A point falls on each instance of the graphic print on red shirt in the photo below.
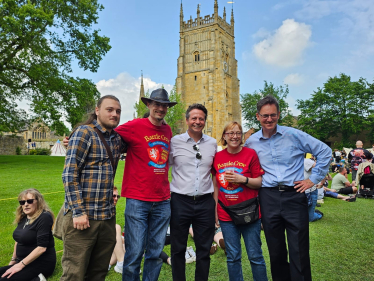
(245, 163)
(146, 168)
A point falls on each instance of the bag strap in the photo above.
(100, 134)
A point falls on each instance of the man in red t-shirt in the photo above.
(146, 187)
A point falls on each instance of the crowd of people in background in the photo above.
(214, 196)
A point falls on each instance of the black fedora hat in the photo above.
(159, 95)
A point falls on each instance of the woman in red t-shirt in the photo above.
(237, 178)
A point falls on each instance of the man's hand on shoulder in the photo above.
(303, 185)
(81, 223)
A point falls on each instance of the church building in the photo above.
(207, 68)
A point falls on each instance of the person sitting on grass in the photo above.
(364, 168)
(119, 249)
(341, 184)
(34, 255)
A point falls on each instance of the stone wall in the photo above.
(9, 144)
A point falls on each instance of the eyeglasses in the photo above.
(29, 201)
(157, 104)
(198, 154)
(116, 196)
(266, 116)
(231, 134)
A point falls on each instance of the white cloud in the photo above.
(285, 47)
(293, 79)
(355, 20)
(127, 88)
(261, 33)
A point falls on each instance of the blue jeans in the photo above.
(313, 216)
(252, 240)
(146, 225)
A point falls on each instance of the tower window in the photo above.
(197, 56)
(195, 77)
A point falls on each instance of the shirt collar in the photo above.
(280, 130)
(187, 137)
(104, 131)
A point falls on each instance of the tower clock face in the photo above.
(225, 67)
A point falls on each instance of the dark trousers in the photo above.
(286, 211)
(87, 252)
(201, 214)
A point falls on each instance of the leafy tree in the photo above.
(174, 117)
(249, 105)
(341, 107)
(140, 107)
(175, 114)
(39, 39)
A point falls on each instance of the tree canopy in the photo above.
(174, 115)
(249, 105)
(39, 40)
(342, 107)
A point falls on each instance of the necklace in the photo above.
(26, 223)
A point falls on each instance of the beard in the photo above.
(107, 125)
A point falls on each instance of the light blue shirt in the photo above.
(282, 156)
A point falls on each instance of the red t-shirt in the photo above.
(246, 163)
(146, 168)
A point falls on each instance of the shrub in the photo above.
(18, 150)
(40, 151)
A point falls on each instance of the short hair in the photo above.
(229, 126)
(196, 106)
(369, 157)
(267, 100)
(341, 169)
(115, 188)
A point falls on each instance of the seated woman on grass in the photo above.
(34, 255)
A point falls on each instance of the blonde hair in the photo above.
(41, 205)
(229, 126)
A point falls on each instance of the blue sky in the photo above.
(298, 42)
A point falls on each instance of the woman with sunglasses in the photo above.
(237, 178)
(34, 255)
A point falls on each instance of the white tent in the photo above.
(58, 149)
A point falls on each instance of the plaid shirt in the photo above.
(88, 173)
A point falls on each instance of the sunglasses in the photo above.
(29, 201)
(198, 153)
(116, 196)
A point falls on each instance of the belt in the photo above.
(283, 188)
(196, 197)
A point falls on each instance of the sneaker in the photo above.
(191, 252)
(188, 257)
(318, 212)
(320, 201)
(109, 267)
(118, 269)
(41, 277)
(213, 249)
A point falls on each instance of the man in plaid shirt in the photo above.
(89, 210)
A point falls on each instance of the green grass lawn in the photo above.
(341, 244)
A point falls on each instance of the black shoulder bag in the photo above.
(243, 213)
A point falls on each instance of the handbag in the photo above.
(243, 213)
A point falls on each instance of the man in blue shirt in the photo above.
(283, 203)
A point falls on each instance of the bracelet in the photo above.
(13, 259)
(246, 182)
(23, 263)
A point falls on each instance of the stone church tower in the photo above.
(207, 68)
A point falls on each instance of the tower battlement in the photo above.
(208, 20)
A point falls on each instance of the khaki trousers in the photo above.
(87, 252)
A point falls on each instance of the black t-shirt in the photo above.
(30, 236)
